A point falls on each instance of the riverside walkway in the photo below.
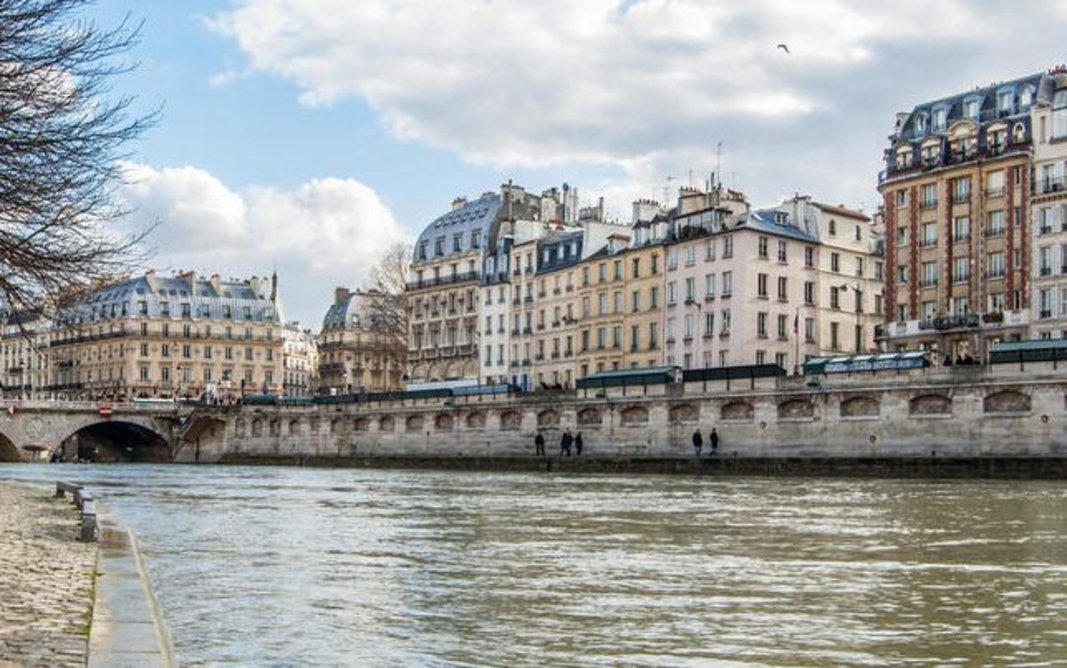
(46, 580)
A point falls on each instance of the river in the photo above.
(296, 566)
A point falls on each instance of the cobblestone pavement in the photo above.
(45, 580)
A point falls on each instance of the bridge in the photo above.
(38, 430)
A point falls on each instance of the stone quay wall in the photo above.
(937, 412)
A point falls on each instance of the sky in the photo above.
(307, 136)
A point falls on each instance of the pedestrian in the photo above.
(698, 442)
(578, 444)
(565, 443)
(539, 445)
(714, 438)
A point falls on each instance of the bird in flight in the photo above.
(783, 47)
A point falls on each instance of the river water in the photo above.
(292, 566)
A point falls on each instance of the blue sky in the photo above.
(310, 134)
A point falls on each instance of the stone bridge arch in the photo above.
(38, 430)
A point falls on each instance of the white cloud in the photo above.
(517, 84)
(326, 232)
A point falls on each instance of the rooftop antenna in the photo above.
(718, 165)
(666, 191)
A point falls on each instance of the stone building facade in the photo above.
(25, 369)
(1048, 208)
(177, 336)
(356, 352)
(956, 191)
(300, 361)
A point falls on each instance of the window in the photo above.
(709, 285)
(809, 330)
(672, 259)
(929, 310)
(709, 323)
(690, 255)
(835, 298)
(834, 336)
(1044, 262)
(961, 189)
(783, 292)
(809, 293)
(783, 326)
(709, 250)
(689, 325)
(939, 118)
(727, 283)
(653, 297)
(671, 297)
(833, 227)
(618, 270)
(782, 255)
(727, 247)
(617, 299)
(761, 285)
(995, 227)
(1004, 102)
(835, 262)
(961, 228)
(970, 108)
(994, 184)
(960, 306)
(961, 269)
(1059, 114)
(995, 264)
(690, 289)
(902, 274)
(809, 257)
(762, 243)
(929, 274)
(902, 197)
(928, 196)
(636, 301)
(724, 320)
(637, 267)
(761, 325)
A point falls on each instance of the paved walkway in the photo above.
(45, 580)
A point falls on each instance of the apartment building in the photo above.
(25, 368)
(357, 352)
(300, 361)
(956, 190)
(1048, 208)
(155, 336)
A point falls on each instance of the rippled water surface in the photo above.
(289, 566)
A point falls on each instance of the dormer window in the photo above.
(1059, 114)
(940, 116)
(1004, 102)
(1026, 98)
(970, 108)
(904, 158)
(920, 124)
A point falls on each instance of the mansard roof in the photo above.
(477, 214)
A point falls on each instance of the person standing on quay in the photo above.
(578, 444)
(565, 443)
(714, 438)
(698, 442)
(539, 445)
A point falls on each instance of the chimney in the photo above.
(274, 287)
(216, 283)
(190, 279)
(458, 203)
(340, 295)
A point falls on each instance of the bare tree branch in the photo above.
(387, 305)
(62, 135)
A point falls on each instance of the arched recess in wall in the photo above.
(257, 427)
(443, 422)
(510, 420)
(294, 427)
(548, 418)
(275, 427)
(738, 411)
(633, 415)
(1006, 401)
(8, 451)
(860, 406)
(590, 417)
(387, 423)
(476, 420)
(684, 413)
(414, 423)
(796, 409)
(930, 404)
(337, 425)
(362, 424)
(240, 427)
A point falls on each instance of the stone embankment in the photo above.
(46, 580)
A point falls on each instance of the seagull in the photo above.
(783, 47)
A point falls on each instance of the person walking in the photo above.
(698, 442)
(578, 444)
(539, 445)
(565, 444)
(714, 438)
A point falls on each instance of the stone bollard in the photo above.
(88, 528)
